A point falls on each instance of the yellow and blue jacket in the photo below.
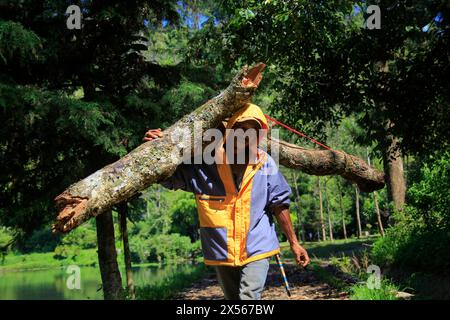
(236, 224)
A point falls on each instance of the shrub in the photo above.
(421, 237)
(83, 237)
(163, 248)
(41, 240)
(66, 252)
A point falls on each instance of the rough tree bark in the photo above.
(156, 160)
(152, 161)
(328, 162)
(107, 257)
(394, 173)
(392, 158)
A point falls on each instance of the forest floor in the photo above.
(304, 285)
(319, 281)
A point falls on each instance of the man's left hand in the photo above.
(300, 254)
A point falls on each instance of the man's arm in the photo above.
(177, 180)
(284, 219)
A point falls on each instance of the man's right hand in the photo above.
(153, 134)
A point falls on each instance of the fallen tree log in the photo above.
(152, 161)
(328, 162)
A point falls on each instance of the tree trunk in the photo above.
(344, 228)
(322, 223)
(152, 161)
(358, 218)
(330, 226)
(107, 257)
(377, 210)
(123, 213)
(301, 226)
(392, 160)
(393, 168)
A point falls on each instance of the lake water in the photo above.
(51, 284)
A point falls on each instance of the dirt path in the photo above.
(304, 286)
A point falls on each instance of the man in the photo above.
(236, 203)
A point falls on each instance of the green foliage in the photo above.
(83, 237)
(429, 198)
(387, 291)
(66, 252)
(186, 97)
(163, 248)
(41, 240)
(328, 277)
(421, 236)
(17, 44)
(16, 261)
(184, 218)
(327, 63)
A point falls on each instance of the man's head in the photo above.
(248, 125)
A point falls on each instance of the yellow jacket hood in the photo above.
(249, 112)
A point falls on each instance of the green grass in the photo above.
(329, 278)
(45, 260)
(387, 291)
(14, 261)
(325, 250)
(171, 286)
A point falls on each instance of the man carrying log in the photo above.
(237, 198)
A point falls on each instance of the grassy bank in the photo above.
(14, 261)
(46, 260)
(325, 250)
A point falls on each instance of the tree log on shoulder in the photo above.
(152, 161)
(328, 162)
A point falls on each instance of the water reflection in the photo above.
(50, 284)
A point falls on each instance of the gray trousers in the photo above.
(245, 282)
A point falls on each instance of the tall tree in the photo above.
(72, 101)
(300, 222)
(358, 214)
(341, 206)
(107, 257)
(377, 208)
(331, 62)
(329, 217)
(123, 214)
(321, 218)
